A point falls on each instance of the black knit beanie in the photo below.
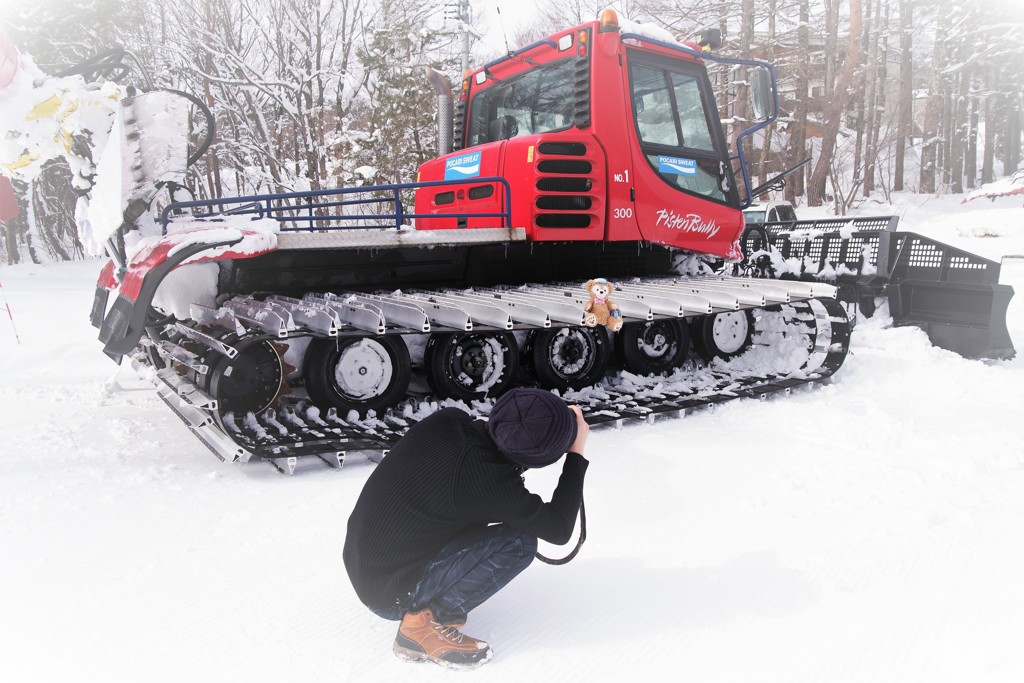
(532, 427)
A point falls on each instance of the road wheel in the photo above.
(569, 357)
(654, 347)
(723, 335)
(357, 373)
(471, 365)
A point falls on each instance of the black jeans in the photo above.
(468, 571)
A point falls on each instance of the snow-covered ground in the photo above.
(868, 530)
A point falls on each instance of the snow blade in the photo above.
(954, 295)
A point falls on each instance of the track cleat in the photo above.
(422, 638)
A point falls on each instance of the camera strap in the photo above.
(579, 543)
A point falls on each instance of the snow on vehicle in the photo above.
(316, 323)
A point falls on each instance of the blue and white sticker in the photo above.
(677, 165)
(462, 167)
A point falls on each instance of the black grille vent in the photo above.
(481, 191)
(581, 99)
(568, 149)
(564, 203)
(565, 196)
(565, 166)
(563, 220)
(459, 124)
(564, 184)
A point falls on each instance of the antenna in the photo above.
(502, 25)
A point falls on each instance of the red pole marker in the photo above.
(8, 307)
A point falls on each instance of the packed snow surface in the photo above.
(867, 530)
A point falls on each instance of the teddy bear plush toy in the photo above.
(600, 310)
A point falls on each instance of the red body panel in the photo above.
(473, 197)
(525, 166)
(106, 280)
(143, 262)
(624, 197)
(610, 107)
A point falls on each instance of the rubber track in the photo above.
(295, 431)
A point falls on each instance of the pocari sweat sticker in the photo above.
(462, 167)
(677, 165)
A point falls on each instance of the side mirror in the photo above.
(710, 38)
(762, 98)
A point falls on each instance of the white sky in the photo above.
(514, 13)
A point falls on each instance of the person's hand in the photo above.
(582, 431)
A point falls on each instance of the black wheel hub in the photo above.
(572, 355)
(656, 340)
(570, 351)
(471, 360)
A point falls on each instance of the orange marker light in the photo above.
(608, 21)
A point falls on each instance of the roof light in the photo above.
(608, 21)
(565, 42)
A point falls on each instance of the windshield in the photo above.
(754, 216)
(538, 101)
(673, 112)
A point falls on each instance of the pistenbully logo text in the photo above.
(690, 222)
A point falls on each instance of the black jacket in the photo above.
(443, 478)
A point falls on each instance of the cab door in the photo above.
(684, 194)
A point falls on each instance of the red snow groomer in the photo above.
(315, 323)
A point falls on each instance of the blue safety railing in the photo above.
(325, 209)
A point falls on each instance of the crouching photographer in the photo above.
(445, 520)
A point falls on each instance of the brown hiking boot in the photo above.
(421, 637)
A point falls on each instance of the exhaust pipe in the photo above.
(445, 108)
